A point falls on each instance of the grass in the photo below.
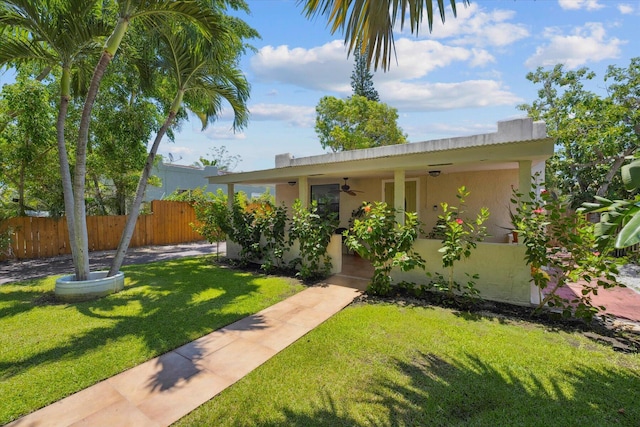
(391, 365)
(49, 351)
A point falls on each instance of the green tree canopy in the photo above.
(594, 133)
(28, 161)
(356, 123)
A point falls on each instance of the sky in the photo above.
(460, 79)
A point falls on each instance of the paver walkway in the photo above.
(164, 389)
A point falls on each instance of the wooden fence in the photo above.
(167, 224)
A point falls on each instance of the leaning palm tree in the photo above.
(369, 24)
(204, 73)
(153, 14)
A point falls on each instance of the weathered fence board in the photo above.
(45, 237)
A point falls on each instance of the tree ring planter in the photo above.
(98, 285)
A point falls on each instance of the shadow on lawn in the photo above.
(164, 304)
(434, 392)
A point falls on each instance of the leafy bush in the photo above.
(562, 247)
(273, 223)
(313, 232)
(459, 237)
(379, 238)
(246, 227)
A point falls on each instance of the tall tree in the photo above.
(356, 123)
(372, 22)
(27, 140)
(60, 35)
(204, 73)
(361, 77)
(58, 32)
(594, 133)
(124, 119)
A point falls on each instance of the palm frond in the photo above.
(371, 22)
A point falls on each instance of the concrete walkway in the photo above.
(164, 389)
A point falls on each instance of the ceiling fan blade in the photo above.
(350, 192)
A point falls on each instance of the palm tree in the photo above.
(151, 13)
(204, 74)
(55, 35)
(371, 22)
(61, 27)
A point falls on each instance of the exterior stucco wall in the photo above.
(503, 275)
(491, 189)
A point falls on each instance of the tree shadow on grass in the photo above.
(164, 305)
(431, 391)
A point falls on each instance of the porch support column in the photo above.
(303, 191)
(230, 195)
(524, 178)
(398, 195)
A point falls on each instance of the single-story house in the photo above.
(418, 177)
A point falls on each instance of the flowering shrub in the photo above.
(313, 232)
(561, 247)
(377, 237)
(459, 237)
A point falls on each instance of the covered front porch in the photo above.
(419, 177)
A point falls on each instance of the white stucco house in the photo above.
(418, 177)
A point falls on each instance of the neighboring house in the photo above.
(180, 177)
(419, 176)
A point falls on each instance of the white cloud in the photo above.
(222, 133)
(446, 96)
(327, 69)
(473, 26)
(586, 44)
(625, 9)
(580, 4)
(324, 68)
(294, 115)
(416, 58)
(481, 57)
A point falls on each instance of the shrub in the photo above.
(459, 237)
(379, 238)
(561, 247)
(313, 232)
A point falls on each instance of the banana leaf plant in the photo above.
(619, 216)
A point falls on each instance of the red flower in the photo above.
(459, 221)
(367, 209)
(543, 191)
(538, 211)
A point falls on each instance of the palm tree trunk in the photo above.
(132, 218)
(65, 173)
(81, 241)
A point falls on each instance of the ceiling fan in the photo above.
(346, 188)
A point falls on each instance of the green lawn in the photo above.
(389, 365)
(50, 351)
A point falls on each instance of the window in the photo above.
(328, 198)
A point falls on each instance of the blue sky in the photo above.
(458, 80)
